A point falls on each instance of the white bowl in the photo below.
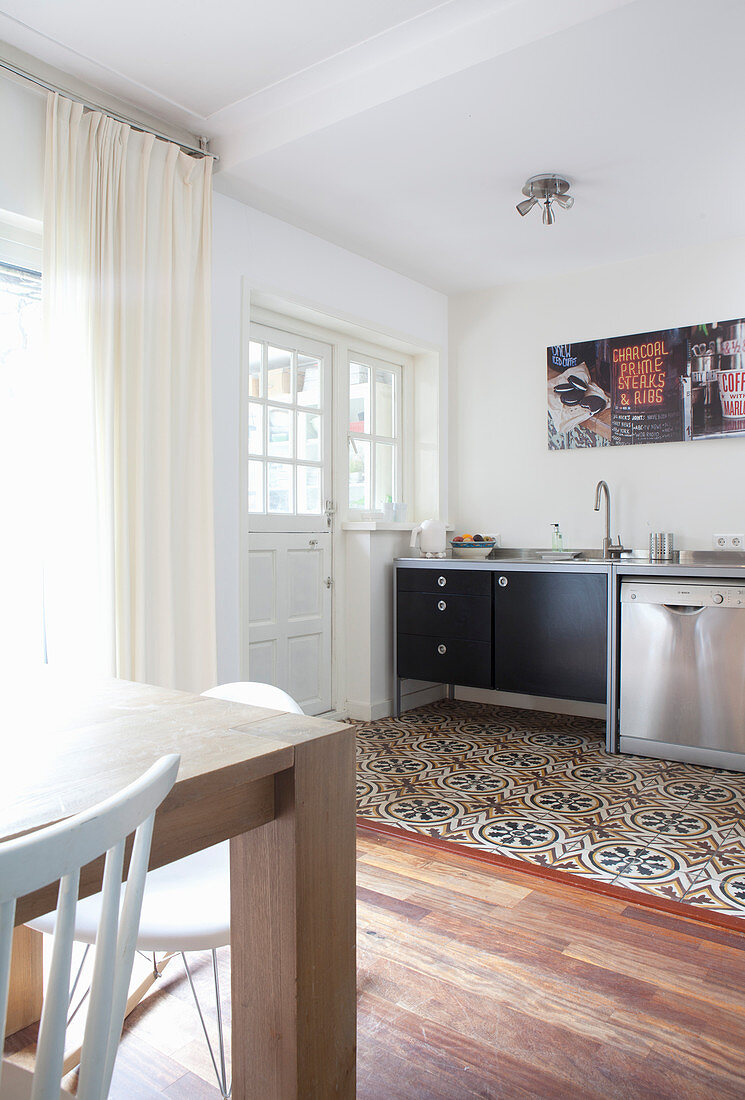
(474, 550)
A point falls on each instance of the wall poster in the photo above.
(654, 387)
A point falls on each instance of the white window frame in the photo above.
(20, 241)
(286, 340)
(379, 358)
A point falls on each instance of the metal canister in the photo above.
(661, 545)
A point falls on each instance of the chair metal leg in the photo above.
(75, 984)
(72, 1059)
(221, 1073)
(220, 1032)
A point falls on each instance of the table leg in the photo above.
(25, 990)
(293, 934)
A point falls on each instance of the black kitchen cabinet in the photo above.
(444, 626)
(550, 634)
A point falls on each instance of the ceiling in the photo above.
(404, 129)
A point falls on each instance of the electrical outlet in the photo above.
(728, 542)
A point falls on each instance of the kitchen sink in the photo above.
(523, 553)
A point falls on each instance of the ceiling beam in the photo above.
(435, 45)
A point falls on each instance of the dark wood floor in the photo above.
(476, 981)
(482, 982)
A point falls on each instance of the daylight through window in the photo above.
(374, 433)
(21, 469)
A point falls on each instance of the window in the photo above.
(374, 433)
(21, 468)
(286, 425)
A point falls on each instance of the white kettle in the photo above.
(433, 536)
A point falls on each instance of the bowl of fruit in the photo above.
(472, 546)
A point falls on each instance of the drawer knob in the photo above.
(442, 648)
(442, 581)
(441, 605)
(502, 582)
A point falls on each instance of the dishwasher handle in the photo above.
(681, 594)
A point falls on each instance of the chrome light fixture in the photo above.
(545, 190)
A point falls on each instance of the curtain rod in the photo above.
(192, 150)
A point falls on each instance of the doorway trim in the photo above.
(270, 307)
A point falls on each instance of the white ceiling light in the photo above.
(545, 190)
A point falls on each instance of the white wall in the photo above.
(276, 258)
(502, 476)
(22, 141)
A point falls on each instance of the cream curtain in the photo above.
(129, 555)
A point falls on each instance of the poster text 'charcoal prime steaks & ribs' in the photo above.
(674, 385)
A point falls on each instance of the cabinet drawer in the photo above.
(464, 582)
(445, 660)
(445, 615)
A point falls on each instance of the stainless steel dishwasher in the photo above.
(683, 671)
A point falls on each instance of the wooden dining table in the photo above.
(279, 786)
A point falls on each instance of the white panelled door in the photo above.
(289, 605)
(287, 633)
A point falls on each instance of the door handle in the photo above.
(442, 581)
(442, 649)
(441, 605)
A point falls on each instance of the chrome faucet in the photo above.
(610, 549)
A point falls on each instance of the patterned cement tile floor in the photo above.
(541, 788)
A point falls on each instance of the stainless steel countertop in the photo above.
(704, 563)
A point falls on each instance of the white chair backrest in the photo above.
(58, 852)
(258, 695)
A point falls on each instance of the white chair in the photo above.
(186, 906)
(58, 852)
(255, 694)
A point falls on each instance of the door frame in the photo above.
(281, 323)
(267, 306)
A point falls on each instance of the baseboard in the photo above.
(383, 708)
(358, 712)
(531, 702)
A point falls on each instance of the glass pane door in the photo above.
(288, 431)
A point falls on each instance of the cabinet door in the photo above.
(550, 634)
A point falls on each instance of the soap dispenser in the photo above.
(557, 542)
